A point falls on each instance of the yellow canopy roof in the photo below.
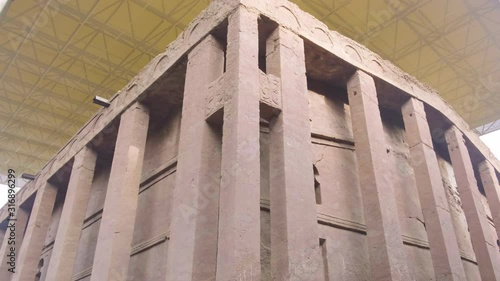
(56, 55)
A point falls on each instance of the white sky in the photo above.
(492, 140)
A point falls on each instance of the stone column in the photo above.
(67, 239)
(4, 251)
(387, 256)
(192, 249)
(118, 219)
(36, 232)
(238, 254)
(492, 189)
(294, 237)
(438, 223)
(12, 240)
(483, 243)
(2, 234)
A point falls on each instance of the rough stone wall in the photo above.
(335, 202)
(459, 220)
(410, 211)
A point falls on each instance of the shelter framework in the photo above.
(262, 146)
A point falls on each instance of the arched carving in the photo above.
(376, 65)
(55, 163)
(191, 32)
(353, 53)
(68, 148)
(324, 34)
(120, 99)
(290, 16)
(50, 164)
(161, 65)
(133, 89)
(93, 123)
(98, 122)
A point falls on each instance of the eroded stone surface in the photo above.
(355, 231)
(440, 232)
(377, 185)
(482, 238)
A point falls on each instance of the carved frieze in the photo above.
(270, 90)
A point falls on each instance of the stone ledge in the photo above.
(143, 246)
(360, 228)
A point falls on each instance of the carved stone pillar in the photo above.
(67, 240)
(492, 189)
(238, 254)
(12, 240)
(36, 232)
(294, 236)
(440, 232)
(118, 219)
(193, 244)
(483, 242)
(387, 256)
(2, 235)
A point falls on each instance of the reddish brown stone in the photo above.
(440, 232)
(113, 249)
(193, 243)
(36, 230)
(238, 255)
(65, 249)
(295, 248)
(387, 256)
(21, 221)
(482, 239)
(227, 236)
(492, 189)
